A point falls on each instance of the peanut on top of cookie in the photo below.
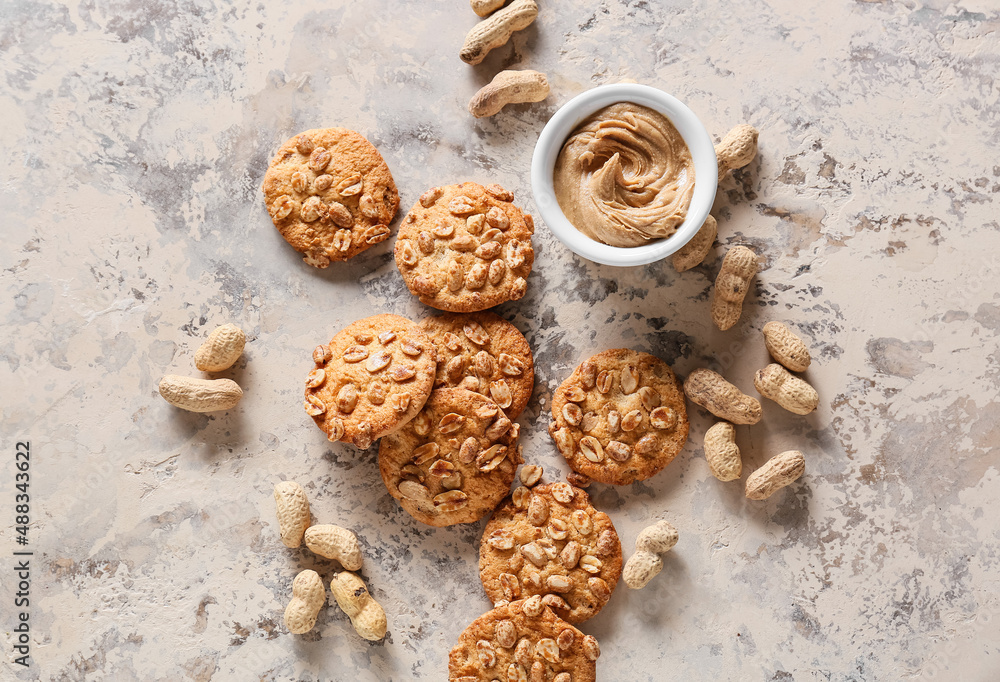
(465, 248)
(619, 417)
(373, 377)
(330, 194)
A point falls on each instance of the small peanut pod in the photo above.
(694, 252)
(292, 508)
(334, 542)
(777, 472)
(496, 31)
(485, 7)
(786, 389)
(738, 268)
(509, 87)
(200, 395)
(721, 452)
(708, 389)
(737, 149)
(785, 347)
(308, 597)
(365, 613)
(221, 349)
(652, 541)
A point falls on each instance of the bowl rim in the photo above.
(568, 117)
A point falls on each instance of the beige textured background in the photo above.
(134, 137)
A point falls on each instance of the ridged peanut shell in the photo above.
(292, 510)
(308, 597)
(785, 347)
(737, 149)
(200, 395)
(334, 542)
(792, 393)
(708, 389)
(496, 30)
(365, 613)
(777, 472)
(721, 452)
(694, 252)
(221, 349)
(731, 286)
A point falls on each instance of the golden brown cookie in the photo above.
(620, 417)
(454, 461)
(373, 377)
(523, 641)
(484, 353)
(330, 194)
(549, 541)
(464, 248)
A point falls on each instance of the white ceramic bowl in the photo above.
(568, 117)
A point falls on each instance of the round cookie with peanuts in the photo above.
(619, 417)
(550, 542)
(330, 194)
(523, 640)
(485, 353)
(373, 377)
(454, 461)
(464, 248)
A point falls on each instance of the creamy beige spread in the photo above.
(625, 176)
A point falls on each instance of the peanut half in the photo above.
(694, 252)
(652, 541)
(785, 347)
(509, 87)
(721, 452)
(786, 389)
(292, 509)
(737, 149)
(221, 349)
(365, 613)
(334, 542)
(731, 286)
(308, 597)
(777, 472)
(496, 31)
(708, 389)
(200, 395)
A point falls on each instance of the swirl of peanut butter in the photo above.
(625, 176)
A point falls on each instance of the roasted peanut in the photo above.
(776, 473)
(646, 563)
(308, 597)
(292, 508)
(509, 87)
(694, 252)
(737, 149)
(200, 395)
(721, 452)
(785, 347)
(496, 30)
(485, 7)
(731, 286)
(786, 389)
(221, 349)
(334, 542)
(708, 389)
(367, 617)
(530, 474)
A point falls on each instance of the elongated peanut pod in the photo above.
(365, 613)
(496, 30)
(694, 252)
(708, 389)
(221, 349)
(786, 389)
(652, 541)
(200, 395)
(308, 597)
(737, 149)
(509, 87)
(292, 509)
(777, 472)
(721, 452)
(731, 286)
(785, 347)
(334, 542)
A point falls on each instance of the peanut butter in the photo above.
(625, 176)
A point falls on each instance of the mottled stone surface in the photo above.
(135, 135)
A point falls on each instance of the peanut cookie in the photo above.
(464, 248)
(330, 194)
(373, 377)
(620, 417)
(484, 353)
(523, 641)
(549, 541)
(454, 461)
